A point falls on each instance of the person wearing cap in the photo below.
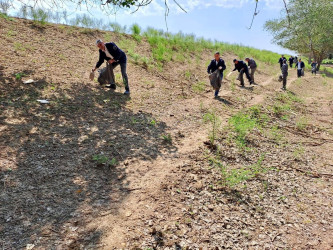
(253, 67)
(284, 71)
(114, 56)
(242, 68)
(300, 68)
(281, 60)
(216, 64)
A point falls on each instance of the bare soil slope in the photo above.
(60, 190)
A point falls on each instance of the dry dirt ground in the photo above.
(163, 193)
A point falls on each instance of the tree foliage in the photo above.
(306, 27)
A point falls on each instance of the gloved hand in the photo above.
(220, 67)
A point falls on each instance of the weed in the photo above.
(199, 87)
(104, 160)
(301, 123)
(187, 74)
(298, 152)
(215, 121)
(134, 121)
(233, 177)
(275, 133)
(242, 124)
(19, 46)
(153, 122)
(167, 138)
(18, 76)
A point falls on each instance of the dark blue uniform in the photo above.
(120, 59)
(242, 68)
(213, 66)
(113, 49)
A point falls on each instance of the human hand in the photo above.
(220, 67)
(111, 61)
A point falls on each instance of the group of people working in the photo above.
(115, 56)
(248, 69)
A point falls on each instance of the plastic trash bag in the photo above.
(215, 79)
(106, 75)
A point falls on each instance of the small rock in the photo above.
(29, 246)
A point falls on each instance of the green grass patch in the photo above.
(199, 87)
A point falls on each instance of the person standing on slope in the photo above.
(300, 68)
(281, 60)
(242, 68)
(291, 61)
(253, 67)
(217, 64)
(114, 56)
(314, 67)
(284, 71)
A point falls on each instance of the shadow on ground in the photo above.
(54, 179)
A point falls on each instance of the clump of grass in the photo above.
(301, 123)
(39, 16)
(199, 87)
(103, 160)
(136, 32)
(167, 138)
(242, 124)
(18, 76)
(298, 152)
(236, 176)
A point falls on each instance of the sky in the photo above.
(222, 20)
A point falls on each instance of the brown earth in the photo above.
(161, 194)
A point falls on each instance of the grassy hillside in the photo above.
(169, 166)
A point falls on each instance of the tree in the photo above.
(306, 27)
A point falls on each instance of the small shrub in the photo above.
(215, 123)
(39, 16)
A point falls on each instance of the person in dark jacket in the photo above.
(284, 71)
(314, 67)
(114, 56)
(216, 64)
(242, 68)
(253, 67)
(281, 60)
(291, 61)
(300, 68)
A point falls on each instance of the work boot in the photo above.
(127, 91)
(216, 93)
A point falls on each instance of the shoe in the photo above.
(283, 88)
(242, 86)
(127, 92)
(111, 86)
(216, 93)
